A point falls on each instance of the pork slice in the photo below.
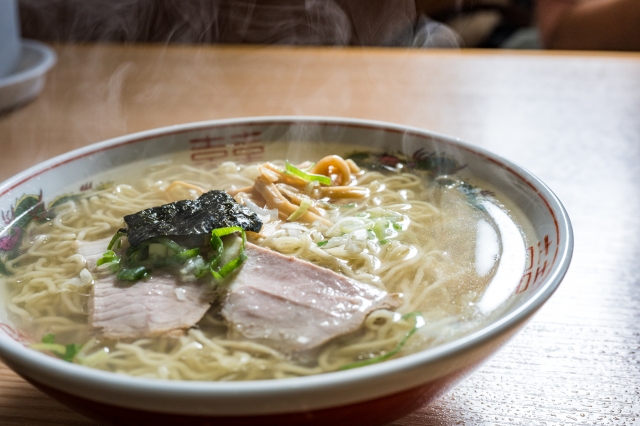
(159, 305)
(294, 305)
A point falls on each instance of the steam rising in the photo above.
(433, 34)
(292, 22)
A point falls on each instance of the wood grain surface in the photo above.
(571, 119)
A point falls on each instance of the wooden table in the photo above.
(571, 119)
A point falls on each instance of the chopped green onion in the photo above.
(218, 247)
(221, 232)
(71, 350)
(137, 250)
(158, 251)
(168, 243)
(186, 255)
(142, 256)
(322, 243)
(194, 266)
(65, 352)
(181, 257)
(141, 248)
(229, 267)
(309, 177)
(304, 206)
(108, 257)
(380, 228)
(49, 338)
(349, 225)
(148, 255)
(419, 322)
(133, 274)
(201, 272)
(116, 238)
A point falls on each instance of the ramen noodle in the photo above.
(410, 233)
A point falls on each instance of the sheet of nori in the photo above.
(212, 210)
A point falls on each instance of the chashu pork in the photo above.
(159, 305)
(294, 305)
(286, 303)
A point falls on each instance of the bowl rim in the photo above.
(41, 363)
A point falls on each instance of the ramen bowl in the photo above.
(371, 395)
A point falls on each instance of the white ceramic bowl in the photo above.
(372, 395)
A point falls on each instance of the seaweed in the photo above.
(212, 210)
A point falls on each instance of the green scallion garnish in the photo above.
(108, 257)
(139, 261)
(133, 274)
(309, 177)
(217, 247)
(380, 228)
(177, 259)
(168, 243)
(304, 206)
(229, 267)
(49, 338)
(64, 352)
(114, 240)
(419, 322)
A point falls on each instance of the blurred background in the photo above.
(515, 24)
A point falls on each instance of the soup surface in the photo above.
(422, 243)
